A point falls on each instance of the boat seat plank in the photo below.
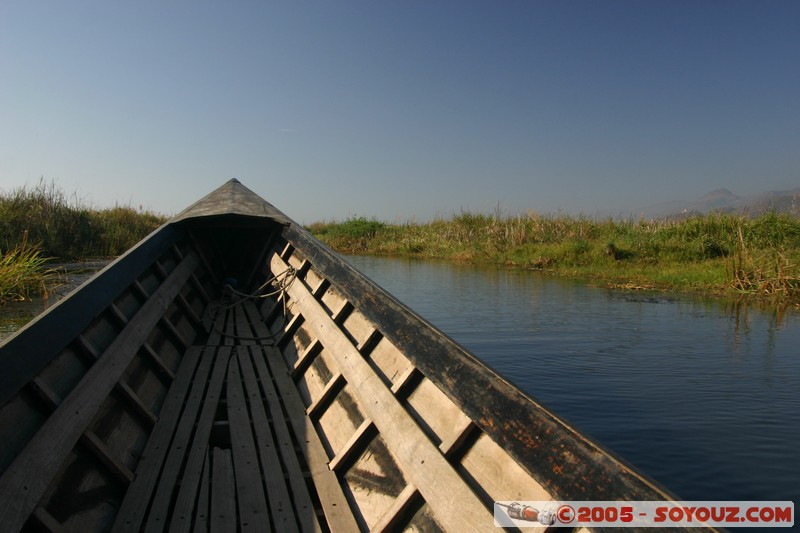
(277, 490)
(170, 472)
(49, 447)
(252, 503)
(138, 497)
(296, 479)
(436, 479)
(192, 472)
(329, 490)
(255, 373)
(223, 497)
(202, 509)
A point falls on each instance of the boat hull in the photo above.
(232, 373)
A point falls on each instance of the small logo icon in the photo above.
(517, 511)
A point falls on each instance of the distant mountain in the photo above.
(724, 201)
(719, 199)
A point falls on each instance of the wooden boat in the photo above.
(231, 373)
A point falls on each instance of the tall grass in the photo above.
(66, 229)
(41, 222)
(716, 252)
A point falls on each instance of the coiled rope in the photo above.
(279, 284)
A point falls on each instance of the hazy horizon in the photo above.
(401, 110)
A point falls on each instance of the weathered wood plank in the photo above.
(89, 438)
(159, 511)
(175, 333)
(161, 367)
(223, 493)
(139, 493)
(332, 388)
(365, 432)
(218, 325)
(390, 521)
(136, 403)
(203, 507)
(47, 450)
(305, 358)
(280, 503)
(438, 482)
(329, 490)
(193, 470)
(46, 521)
(99, 448)
(252, 502)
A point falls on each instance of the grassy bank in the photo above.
(717, 253)
(42, 223)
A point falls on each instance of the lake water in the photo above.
(703, 396)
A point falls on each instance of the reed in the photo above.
(22, 272)
(64, 228)
(718, 253)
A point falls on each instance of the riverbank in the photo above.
(41, 224)
(717, 254)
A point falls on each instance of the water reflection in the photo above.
(702, 395)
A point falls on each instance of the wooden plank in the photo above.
(329, 490)
(252, 502)
(223, 493)
(203, 506)
(194, 464)
(280, 502)
(306, 358)
(438, 482)
(170, 472)
(403, 380)
(282, 441)
(47, 450)
(89, 439)
(390, 521)
(138, 496)
(156, 359)
(332, 388)
(230, 328)
(174, 332)
(99, 448)
(46, 522)
(457, 437)
(217, 328)
(136, 403)
(365, 432)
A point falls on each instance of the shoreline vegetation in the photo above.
(719, 255)
(41, 224)
(716, 254)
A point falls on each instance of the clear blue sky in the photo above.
(401, 109)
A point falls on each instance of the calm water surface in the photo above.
(703, 396)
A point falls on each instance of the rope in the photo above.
(280, 282)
